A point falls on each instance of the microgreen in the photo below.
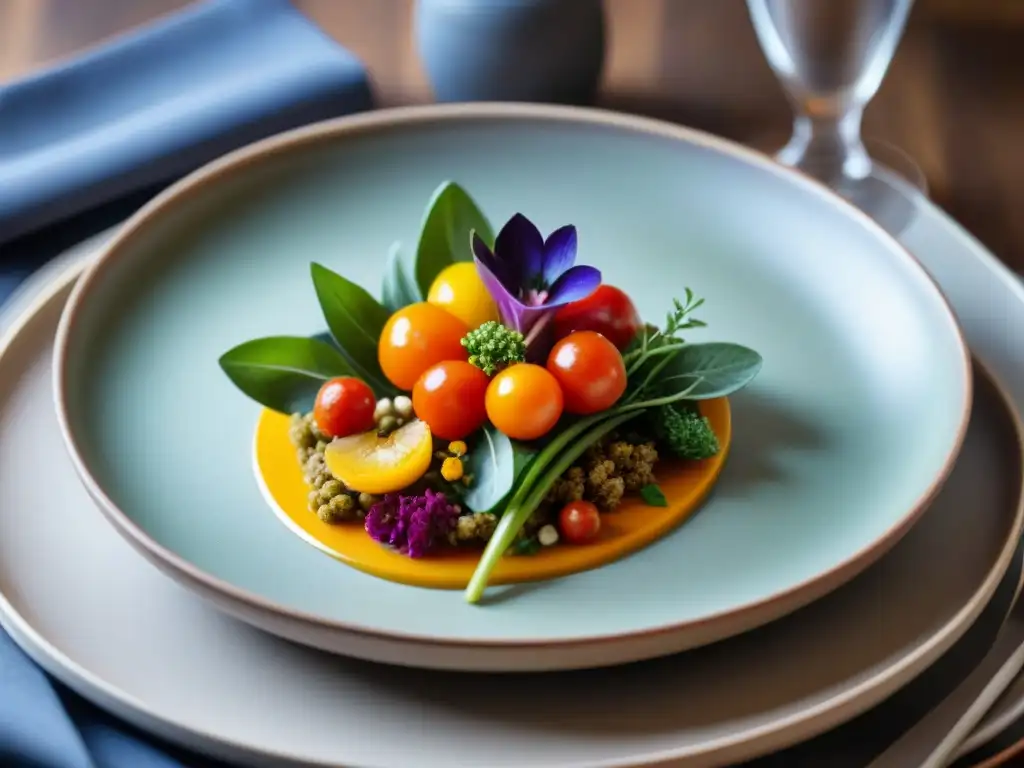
(653, 496)
(494, 346)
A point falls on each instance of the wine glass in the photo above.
(831, 57)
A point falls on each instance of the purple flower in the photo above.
(414, 525)
(530, 277)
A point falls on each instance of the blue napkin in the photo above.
(43, 725)
(156, 104)
(84, 144)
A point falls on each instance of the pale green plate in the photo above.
(839, 444)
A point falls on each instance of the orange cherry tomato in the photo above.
(579, 522)
(589, 370)
(415, 338)
(608, 310)
(450, 398)
(524, 401)
(344, 406)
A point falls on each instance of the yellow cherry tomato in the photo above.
(416, 338)
(459, 290)
(524, 401)
(368, 463)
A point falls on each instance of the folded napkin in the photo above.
(43, 725)
(153, 105)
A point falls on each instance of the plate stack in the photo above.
(863, 536)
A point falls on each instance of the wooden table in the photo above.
(953, 98)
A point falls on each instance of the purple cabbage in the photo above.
(414, 525)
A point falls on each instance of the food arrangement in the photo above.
(498, 398)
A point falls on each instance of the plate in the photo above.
(267, 702)
(1002, 724)
(839, 444)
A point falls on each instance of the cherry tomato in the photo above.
(450, 398)
(608, 310)
(415, 338)
(524, 401)
(590, 371)
(344, 406)
(579, 521)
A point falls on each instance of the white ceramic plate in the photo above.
(98, 616)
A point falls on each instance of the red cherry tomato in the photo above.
(607, 310)
(589, 370)
(450, 396)
(344, 406)
(579, 522)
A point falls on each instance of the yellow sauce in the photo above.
(630, 527)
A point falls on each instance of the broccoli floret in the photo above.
(492, 346)
(685, 432)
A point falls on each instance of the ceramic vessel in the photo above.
(512, 50)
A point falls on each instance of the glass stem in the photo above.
(828, 147)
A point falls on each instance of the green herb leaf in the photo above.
(524, 454)
(527, 547)
(444, 236)
(355, 320)
(399, 289)
(492, 463)
(715, 369)
(652, 496)
(283, 373)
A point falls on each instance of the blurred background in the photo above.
(952, 98)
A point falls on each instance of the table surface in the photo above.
(952, 98)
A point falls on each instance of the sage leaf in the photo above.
(653, 496)
(444, 238)
(355, 320)
(492, 463)
(713, 369)
(399, 289)
(283, 373)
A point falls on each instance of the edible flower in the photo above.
(530, 277)
(414, 525)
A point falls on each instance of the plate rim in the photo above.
(784, 731)
(246, 604)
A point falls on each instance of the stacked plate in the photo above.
(868, 517)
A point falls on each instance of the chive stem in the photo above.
(526, 501)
